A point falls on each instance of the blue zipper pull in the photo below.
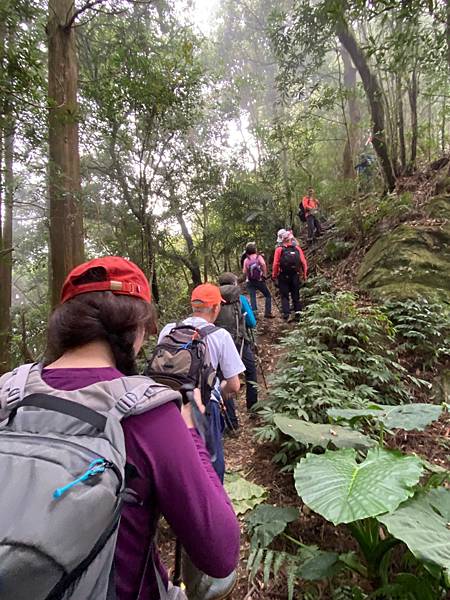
(96, 467)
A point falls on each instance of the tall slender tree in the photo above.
(64, 185)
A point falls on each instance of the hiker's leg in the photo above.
(317, 225)
(310, 222)
(215, 430)
(295, 290)
(252, 293)
(231, 421)
(283, 286)
(248, 358)
(267, 297)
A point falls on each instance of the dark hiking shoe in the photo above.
(269, 316)
(285, 317)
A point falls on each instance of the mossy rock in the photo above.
(411, 259)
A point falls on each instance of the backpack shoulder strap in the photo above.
(204, 331)
(138, 394)
(13, 387)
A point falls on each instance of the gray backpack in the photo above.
(62, 468)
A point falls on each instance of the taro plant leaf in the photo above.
(320, 566)
(411, 416)
(244, 494)
(315, 434)
(342, 491)
(266, 522)
(406, 416)
(422, 523)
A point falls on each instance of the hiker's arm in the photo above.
(231, 385)
(186, 488)
(262, 262)
(246, 310)
(276, 263)
(304, 263)
(244, 266)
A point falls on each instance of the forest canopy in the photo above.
(126, 130)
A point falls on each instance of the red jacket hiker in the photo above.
(277, 256)
(309, 204)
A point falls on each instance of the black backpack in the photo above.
(182, 357)
(290, 259)
(230, 316)
(302, 213)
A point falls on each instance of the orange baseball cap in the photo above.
(121, 276)
(207, 294)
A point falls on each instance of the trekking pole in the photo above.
(258, 359)
(262, 371)
(177, 577)
(273, 294)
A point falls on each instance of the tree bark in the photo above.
(192, 264)
(374, 96)
(354, 113)
(6, 255)
(64, 186)
(6, 210)
(400, 121)
(413, 90)
(447, 34)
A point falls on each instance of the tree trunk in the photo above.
(400, 121)
(64, 187)
(447, 33)
(354, 114)
(6, 250)
(193, 266)
(412, 95)
(374, 96)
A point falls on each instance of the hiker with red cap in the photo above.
(88, 442)
(289, 267)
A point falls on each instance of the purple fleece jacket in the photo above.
(176, 479)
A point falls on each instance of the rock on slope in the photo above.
(412, 258)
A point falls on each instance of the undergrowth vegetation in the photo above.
(343, 355)
(357, 364)
(422, 329)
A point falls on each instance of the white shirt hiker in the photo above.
(222, 349)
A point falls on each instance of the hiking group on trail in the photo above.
(102, 452)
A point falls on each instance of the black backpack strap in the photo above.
(63, 406)
(204, 331)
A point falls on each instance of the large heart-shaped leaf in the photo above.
(266, 522)
(406, 416)
(341, 490)
(316, 434)
(423, 524)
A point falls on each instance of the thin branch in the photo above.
(80, 11)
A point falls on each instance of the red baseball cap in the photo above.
(206, 294)
(121, 277)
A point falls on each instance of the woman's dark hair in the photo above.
(250, 248)
(94, 316)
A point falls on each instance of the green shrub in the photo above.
(340, 356)
(422, 327)
(337, 250)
